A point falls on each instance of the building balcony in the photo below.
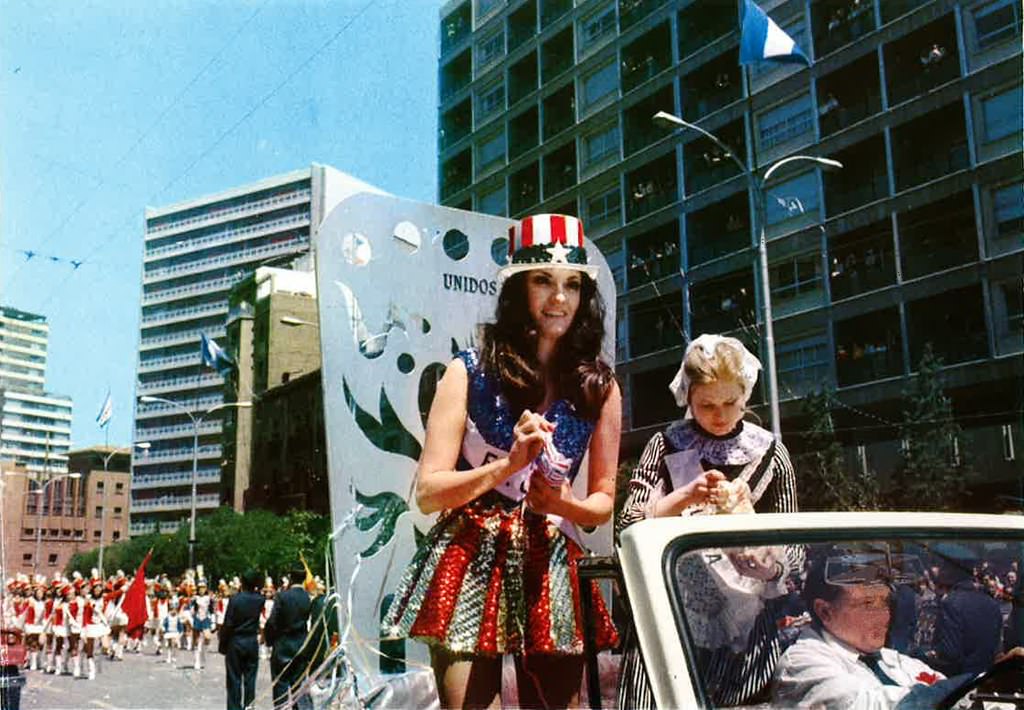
(522, 26)
(182, 454)
(190, 313)
(184, 478)
(184, 336)
(551, 10)
(175, 432)
(522, 78)
(168, 363)
(197, 289)
(713, 86)
(557, 55)
(524, 189)
(837, 24)
(232, 258)
(43, 429)
(456, 174)
(228, 236)
(646, 57)
(141, 528)
(632, 11)
(639, 130)
(652, 187)
(213, 216)
(456, 75)
(559, 111)
(698, 28)
(941, 161)
(12, 407)
(150, 505)
(560, 170)
(179, 383)
(148, 410)
(456, 27)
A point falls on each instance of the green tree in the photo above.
(931, 474)
(824, 483)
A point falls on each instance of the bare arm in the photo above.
(438, 485)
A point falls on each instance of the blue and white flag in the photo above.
(761, 40)
(214, 355)
(106, 412)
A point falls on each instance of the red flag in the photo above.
(134, 604)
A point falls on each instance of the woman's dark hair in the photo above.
(251, 580)
(509, 351)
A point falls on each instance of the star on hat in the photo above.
(559, 253)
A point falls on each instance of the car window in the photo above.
(739, 609)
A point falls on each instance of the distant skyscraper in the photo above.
(35, 425)
(195, 251)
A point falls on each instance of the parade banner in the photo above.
(402, 287)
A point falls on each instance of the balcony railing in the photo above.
(176, 383)
(174, 361)
(184, 478)
(215, 215)
(228, 236)
(933, 166)
(639, 70)
(176, 431)
(184, 454)
(640, 205)
(850, 111)
(846, 25)
(196, 289)
(184, 336)
(224, 259)
(632, 11)
(161, 409)
(206, 500)
(868, 190)
(921, 81)
(705, 247)
(184, 313)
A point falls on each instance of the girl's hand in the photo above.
(758, 563)
(701, 490)
(544, 498)
(530, 434)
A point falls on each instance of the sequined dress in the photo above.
(493, 577)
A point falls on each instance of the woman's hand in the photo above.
(702, 489)
(544, 498)
(530, 434)
(758, 563)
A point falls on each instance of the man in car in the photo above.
(840, 661)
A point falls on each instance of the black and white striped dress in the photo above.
(729, 678)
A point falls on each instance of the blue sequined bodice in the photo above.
(490, 414)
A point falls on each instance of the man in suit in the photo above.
(286, 631)
(238, 641)
(969, 628)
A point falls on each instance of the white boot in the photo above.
(195, 662)
(33, 661)
(58, 667)
(188, 643)
(76, 666)
(170, 655)
(119, 651)
(49, 663)
(92, 669)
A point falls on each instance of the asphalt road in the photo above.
(141, 682)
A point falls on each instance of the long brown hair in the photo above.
(509, 352)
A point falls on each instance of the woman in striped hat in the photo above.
(508, 427)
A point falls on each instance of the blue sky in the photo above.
(110, 107)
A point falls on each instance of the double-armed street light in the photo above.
(196, 422)
(757, 188)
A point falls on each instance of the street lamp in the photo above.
(39, 506)
(196, 421)
(757, 188)
(103, 501)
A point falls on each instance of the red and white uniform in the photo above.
(156, 611)
(219, 609)
(94, 624)
(19, 610)
(73, 615)
(35, 616)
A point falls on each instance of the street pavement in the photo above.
(141, 682)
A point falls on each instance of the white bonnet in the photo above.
(749, 367)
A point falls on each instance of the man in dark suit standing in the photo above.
(286, 632)
(238, 641)
(968, 631)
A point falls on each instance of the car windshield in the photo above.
(791, 623)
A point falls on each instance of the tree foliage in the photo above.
(228, 543)
(931, 473)
(825, 483)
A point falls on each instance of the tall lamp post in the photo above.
(196, 421)
(103, 501)
(41, 491)
(757, 188)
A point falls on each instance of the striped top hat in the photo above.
(545, 241)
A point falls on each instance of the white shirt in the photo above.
(821, 671)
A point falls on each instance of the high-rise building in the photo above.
(547, 106)
(35, 425)
(195, 251)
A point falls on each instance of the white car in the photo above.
(907, 551)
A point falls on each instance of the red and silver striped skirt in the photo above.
(490, 579)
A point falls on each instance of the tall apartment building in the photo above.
(195, 251)
(546, 106)
(35, 425)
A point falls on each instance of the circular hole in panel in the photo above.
(406, 363)
(499, 251)
(407, 236)
(456, 245)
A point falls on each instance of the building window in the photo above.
(786, 122)
(490, 49)
(1003, 114)
(599, 146)
(868, 347)
(28, 531)
(1009, 210)
(493, 202)
(96, 534)
(99, 511)
(1008, 315)
(997, 22)
(803, 364)
(604, 207)
(792, 198)
(597, 26)
(79, 534)
(26, 557)
(99, 486)
(117, 511)
(119, 488)
(952, 321)
(491, 151)
(491, 100)
(117, 535)
(486, 7)
(600, 84)
(796, 277)
(52, 559)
